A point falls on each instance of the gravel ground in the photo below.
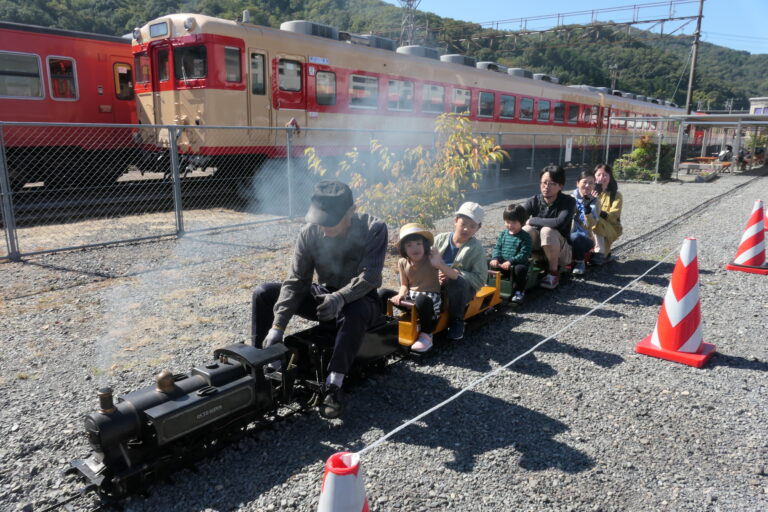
(584, 423)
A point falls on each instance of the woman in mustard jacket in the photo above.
(608, 226)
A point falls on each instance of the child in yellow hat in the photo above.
(419, 281)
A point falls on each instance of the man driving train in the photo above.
(347, 250)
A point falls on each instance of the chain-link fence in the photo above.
(68, 186)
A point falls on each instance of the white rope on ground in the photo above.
(487, 376)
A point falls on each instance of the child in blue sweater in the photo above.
(513, 250)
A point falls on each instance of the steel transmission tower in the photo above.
(408, 27)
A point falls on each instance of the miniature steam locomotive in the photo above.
(150, 433)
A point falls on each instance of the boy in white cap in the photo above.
(460, 258)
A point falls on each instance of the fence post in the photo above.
(289, 162)
(6, 197)
(608, 140)
(658, 155)
(533, 156)
(679, 147)
(176, 180)
(560, 150)
(583, 149)
(498, 166)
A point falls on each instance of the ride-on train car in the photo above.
(195, 70)
(63, 76)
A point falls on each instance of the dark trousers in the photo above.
(426, 309)
(581, 245)
(351, 324)
(519, 273)
(459, 293)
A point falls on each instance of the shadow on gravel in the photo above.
(473, 425)
(738, 362)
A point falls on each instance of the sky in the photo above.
(737, 24)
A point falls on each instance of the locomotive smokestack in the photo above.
(105, 400)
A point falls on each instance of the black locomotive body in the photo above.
(152, 432)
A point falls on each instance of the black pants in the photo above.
(351, 324)
(426, 309)
(519, 273)
(581, 245)
(458, 293)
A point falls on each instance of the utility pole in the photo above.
(694, 55)
(408, 26)
(613, 70)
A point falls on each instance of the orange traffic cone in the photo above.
(343, 489)
(750, 256)
(678, 336)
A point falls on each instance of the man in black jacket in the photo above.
(549, 223)
(347, 251)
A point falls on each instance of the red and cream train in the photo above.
(195, 70)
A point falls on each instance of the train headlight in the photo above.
(137, 34)
(189, 23)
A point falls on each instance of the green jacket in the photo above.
(470, 260)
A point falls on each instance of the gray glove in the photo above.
(330, 307)
(272, 337)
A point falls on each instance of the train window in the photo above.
(433, 98)
(543, 110)
(325, 88)
(232, 63)
(63, 78)
(526, 109)
(363, 91)
(20, 75)
(400, 95)
(162, 65)
(158, 29)
(593, 117)
(289, 73)
(606, 115)
(123, 83)
(586, 114)
(559, 112)
(461, 100)
(507, 110)
(258, 80)
(573, 114)
(189, 62)
(485, 102)
(141, 63)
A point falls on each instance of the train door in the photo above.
(260, 111)
(162, 102)
(121, 81)
(289, 88)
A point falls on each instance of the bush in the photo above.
(420, 184)
(641, 162)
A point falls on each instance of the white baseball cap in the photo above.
(472, 210)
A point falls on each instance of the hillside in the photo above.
(648, 64)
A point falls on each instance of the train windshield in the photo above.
(190, 62)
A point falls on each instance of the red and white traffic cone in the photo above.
(343, 489)
(750, 256)
(678, 335)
